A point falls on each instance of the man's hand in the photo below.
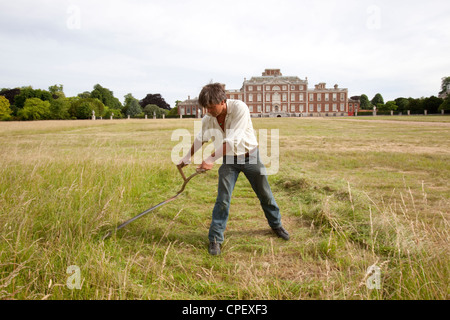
(206, 166)
(184, 161)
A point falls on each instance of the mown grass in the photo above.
(353, 194)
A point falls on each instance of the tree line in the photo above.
(432, 104)
(26, 103)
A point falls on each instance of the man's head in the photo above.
(213, 98)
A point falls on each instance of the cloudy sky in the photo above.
(174, 47)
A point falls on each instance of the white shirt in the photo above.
(238, 126)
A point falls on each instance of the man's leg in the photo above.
(255, 174)
(228, 175)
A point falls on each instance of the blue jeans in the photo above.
(254, 171)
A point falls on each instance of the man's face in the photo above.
(216, 109)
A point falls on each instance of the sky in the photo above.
(397, 48)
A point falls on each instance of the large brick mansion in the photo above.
(275, 95)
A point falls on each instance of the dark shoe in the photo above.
(214, 248)
(281, 233)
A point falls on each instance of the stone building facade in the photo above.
(275, 95)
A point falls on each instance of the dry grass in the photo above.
(353, 195)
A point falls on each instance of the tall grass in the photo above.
(64, 185)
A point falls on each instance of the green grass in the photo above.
(352, 194)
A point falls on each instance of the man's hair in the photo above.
(211, 94)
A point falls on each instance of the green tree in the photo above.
(432, 104)
(388, 106)
(378, 98)
(106, 96)
(152, 108)
(446, 104)
(364, 102)
(57, 91)
(29, 92)
(35, 109)
(59, 109)
(5, 110)
(415, 106)
(81, 108)
(445, 85)
(131, 106)
(402, 104)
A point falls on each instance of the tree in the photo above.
(155, 99)
(5, 110)
(10, 94)
(82, 108)
(446, 104)
(445, 87)
(389, 106)
(35, 109)
(378, 98)
(153, 108)
(57, 91)
(402, 104)
(415, 106)
(432, 104)
(364, 102)
(59, 109)
(29, 92)
(106, 96)
(131, 106)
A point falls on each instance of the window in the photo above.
(301, 88)
(342, 107)
(334, 106)
(292, 108)
(292, 96)
(276, 88)
(327, 97)
(342, 96)
(292, 87)
(311, 107)
(250, 109)
(250, 98)
(284, 97)
(268, 108)
(258, 88)
(268, 97)
(231, 96)
(327, 107)
(250, 88)
(259, 108)
(284, 88)
(319, 107)
(301, 97)
(302, 108)
(268, 88)
(259, 97)
(285, 108)
(319, 97)
(334, 96)
(311, 96)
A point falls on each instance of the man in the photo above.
(229, 122)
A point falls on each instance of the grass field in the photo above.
(353, 193)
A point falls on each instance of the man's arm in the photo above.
(187, 158)
(208, 163)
